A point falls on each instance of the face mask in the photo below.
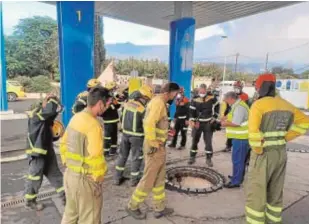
(202, 94)
(115, 93)
(237, 90)
(178, 96)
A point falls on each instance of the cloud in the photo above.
(14, 11)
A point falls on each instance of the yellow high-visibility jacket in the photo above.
(273, 121)
(81, 147)
(156, 121)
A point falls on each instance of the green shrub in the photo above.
(25, 81)
(40, 84)
(57, 77)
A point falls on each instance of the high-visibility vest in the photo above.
(240, 132)
(132, 118)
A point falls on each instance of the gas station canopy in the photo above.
(160, 14)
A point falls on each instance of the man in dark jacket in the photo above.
(110, 120)
(41, 154)
(181, 118)
(81, 99)
(133, 135)
(204, 110)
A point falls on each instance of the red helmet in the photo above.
(238, 84)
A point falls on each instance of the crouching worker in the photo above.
(41, 154)
(81, 150)
(156, 133)
(133, 135)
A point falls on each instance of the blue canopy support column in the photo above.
(4, 102)
(76, 48)
(181, 48)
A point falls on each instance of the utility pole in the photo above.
(237, 55)
(266, 62)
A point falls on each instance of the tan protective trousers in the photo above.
(153, 180)
(83, 199)
(264, 186)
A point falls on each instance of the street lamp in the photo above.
(224, 68)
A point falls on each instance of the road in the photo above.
(14, 132)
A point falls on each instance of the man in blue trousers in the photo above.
(236, 124)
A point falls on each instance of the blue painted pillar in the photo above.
(181, 54)
(76, 48)
(4, 102)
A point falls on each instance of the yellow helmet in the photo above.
(146, 91)
(110, 85)
(58, 130)
(92, 83)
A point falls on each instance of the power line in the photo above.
(288, 49)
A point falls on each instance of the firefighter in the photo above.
(133, 135)
(81, 150)
(153, 180)
(81, 99)
(204, 110)
(110, 120)
(272, 123)
(41, 154)
(181, 118)
(237, 129)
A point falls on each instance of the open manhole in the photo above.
(196, 180)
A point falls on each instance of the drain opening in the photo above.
(197, 180)
(20, 200)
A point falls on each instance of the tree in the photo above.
(99, 50)
(32, 49)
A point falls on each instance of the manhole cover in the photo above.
(301, 150)
(191, 179)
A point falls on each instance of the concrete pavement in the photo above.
(223, 206)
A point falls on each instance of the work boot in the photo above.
(118, 181)
(33, 205)
(137, 214)
(171, 145)
(209, 162)
(191, 160)
(63, 199)
(165, 212)
(227, 149)
(134, 182)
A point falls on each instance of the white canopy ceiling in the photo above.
(206, 13)
(160, 14)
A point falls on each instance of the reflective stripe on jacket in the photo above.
(132, 118)
(273, 121)
(240, 132)
(156, 120)
(81, 147)
(40, 122)
(80, 102)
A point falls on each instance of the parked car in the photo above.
(14, 90)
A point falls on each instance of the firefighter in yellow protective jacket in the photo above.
(272, 123)
(81, 150)
(133, 135)
(81, 99)
(41, 154)
(156, 133)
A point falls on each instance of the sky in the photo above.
(252, 36)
